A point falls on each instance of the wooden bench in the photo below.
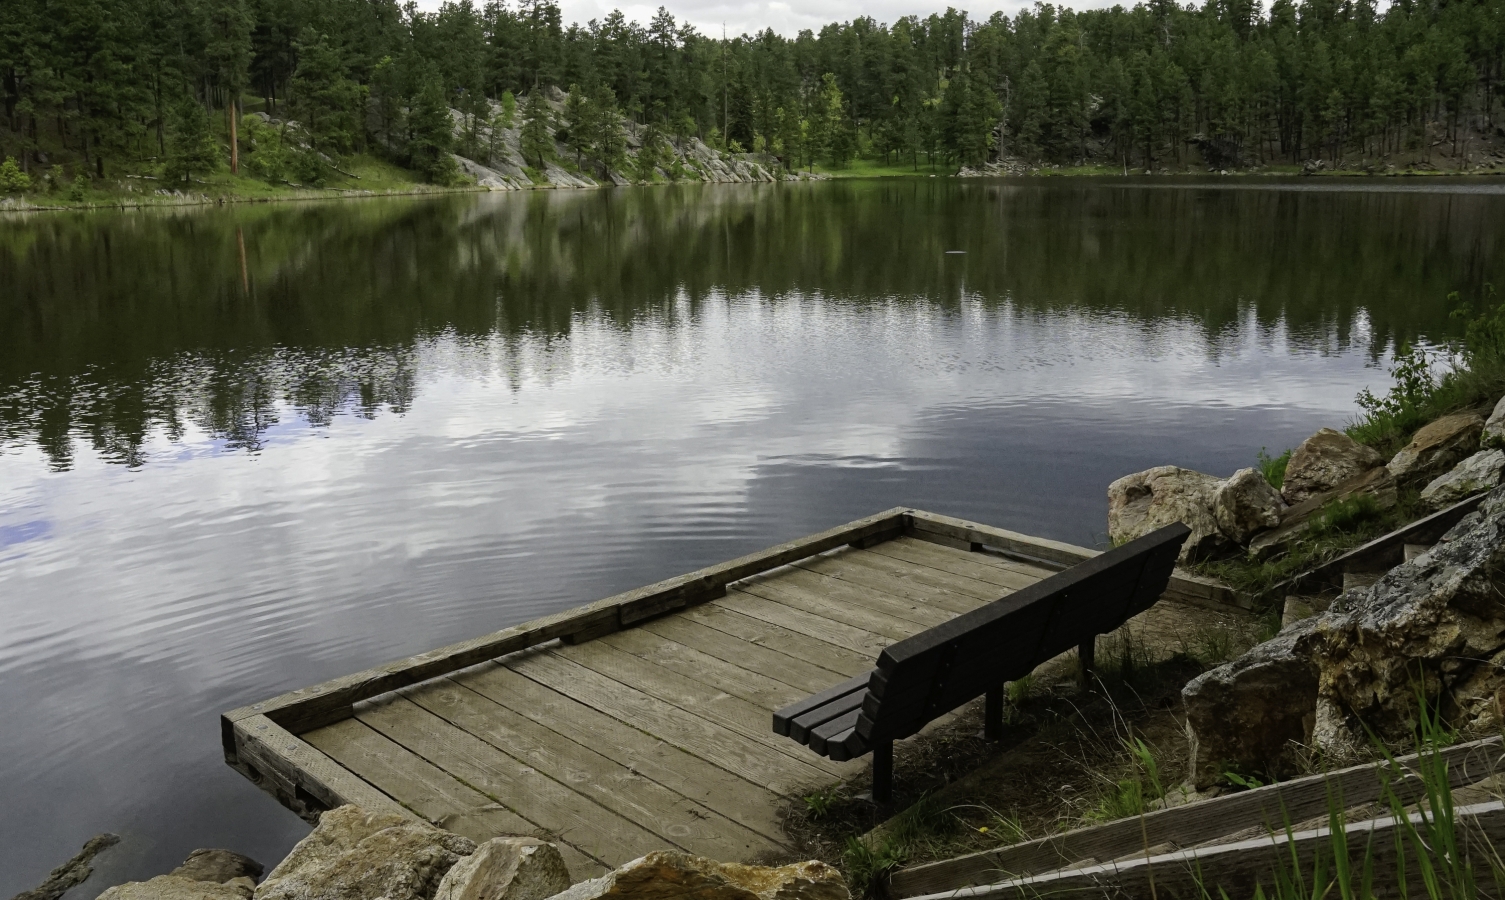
(926, 676)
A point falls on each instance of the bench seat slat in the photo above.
(801, 725)
(822, 735)
(783, 717)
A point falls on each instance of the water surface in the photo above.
(244, 450)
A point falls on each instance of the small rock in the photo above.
(1299, 607)
(355, 854)
(507, 869)
(1437, 447)
(172, 887)
(1140, 503)
(73, 872)
(668, 875)
(1475, 475)
(1494, 427)
(218, 866)
(1246, 504)
(1324, 461)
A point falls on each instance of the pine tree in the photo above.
(431, 133)
(536, 143)
(190, 147)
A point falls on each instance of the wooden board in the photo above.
(889, 627)
(833, 592)
(980, 566)
(807, 676)
(818, 627)
(757, 632)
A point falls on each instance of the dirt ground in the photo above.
(1064, 760)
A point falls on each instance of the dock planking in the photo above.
(642, 721)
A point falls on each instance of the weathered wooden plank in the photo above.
(1236, 869)
(850, 569)
(517, 784)
(842, 660)
(1271, 806)
(935, 578)
(980, 566)
(321, 704)
(754, 805)
(732, 713)
(675, 819)
(797, 673)
(301, 777)
(759, 690)
(698, 736)
(864, 617)
(927, 526)
(843, 593)
(818, 627)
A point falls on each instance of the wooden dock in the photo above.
(642, 721)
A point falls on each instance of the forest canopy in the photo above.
(102, 83)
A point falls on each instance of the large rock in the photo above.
(355, 855)
(1246, 504)
(1324, 461)
(669, 875)
(507, 869)
(1376, 483)
(1251, 714)
(1494, 428)
(174, 887)
(1140, 503)
(1435, 622)
(218, 866)
(1437, 447)
(1475, 475)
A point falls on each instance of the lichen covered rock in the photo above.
(509, 868)
(1436, 622)
(1246, 504)
(671, 875)
(1437, 447)
(1478, 473)
(175, 887)
(218, 866)
(1324, 461)
(1494, 428)
(355, 855)
(1140, 503)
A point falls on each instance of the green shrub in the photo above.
(1342, 516)
(12, 179)
(78, 191)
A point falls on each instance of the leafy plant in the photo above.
(1133, 795)
(1273, 467)
(12, 179)
(822, 800)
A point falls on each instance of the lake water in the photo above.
(248, 449)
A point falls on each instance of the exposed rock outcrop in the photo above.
(1140, 503)
(669, 875)
(1246, 504)
(1478, 473)
(1436, 622)
(1437, 447)
(507, 869)
(355, 854)
(218, 866)
(1324, 461)
(174, 887)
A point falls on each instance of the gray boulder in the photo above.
(1435, 622)
(1324, 461)
(1494, 428)
(1475, 475)
(1140, 503)
(356, 855)
(1246, 504)
(174, 887)
(669, 875)
(507, 869)
(1437, 447)
(218, 866)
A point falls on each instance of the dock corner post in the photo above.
(883, 771)
(1086, 656)
(992, 713)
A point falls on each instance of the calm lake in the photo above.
(247, 449)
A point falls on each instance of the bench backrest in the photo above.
(937, 670)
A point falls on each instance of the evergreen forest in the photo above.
(94, 87)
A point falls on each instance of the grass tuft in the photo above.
(1273, 467)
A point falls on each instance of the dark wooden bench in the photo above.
(926, 676)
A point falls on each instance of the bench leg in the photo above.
(1086, 655)
(992, 714)
(883, 772)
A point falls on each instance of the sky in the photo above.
(783, 16)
